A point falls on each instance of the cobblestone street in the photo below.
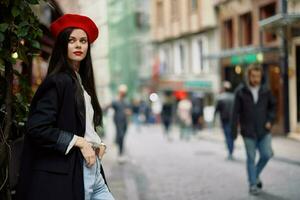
(159, 169)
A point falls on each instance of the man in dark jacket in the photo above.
(167, 113)
(121, 118)
(254, 111)
(224, 108)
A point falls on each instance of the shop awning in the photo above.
(246, 50)
(186, 85)
(280, 20)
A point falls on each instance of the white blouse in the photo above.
(90, 133)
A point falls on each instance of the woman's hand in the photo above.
(102, 150)
(86, 150)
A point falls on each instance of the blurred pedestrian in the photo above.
(136, 113)
(62, 151)
(224, 107)
(121, 119)
(167, 113)
(144, 112)
(197, 113)
(156, 107)
(184, 109)
(254, 110)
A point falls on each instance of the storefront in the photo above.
(287, 26)
(202, 88)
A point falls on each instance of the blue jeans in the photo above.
(228, 137)
(265, 150)
(121, 128)
(94, 185)
(185, 131)
(136, 120)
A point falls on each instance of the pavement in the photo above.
(158, 168)
(285, 149)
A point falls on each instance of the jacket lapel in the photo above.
(80, 106)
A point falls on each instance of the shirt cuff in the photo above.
(71, 144)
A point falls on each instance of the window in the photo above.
(160, 16)
(174, 10)
(182, 57)
(245, 29)
(141, 20)
(265, 12)
(197, 53)
(228, 34)
(177, 60)
(200, 48)
(193, 5)
(165, 61)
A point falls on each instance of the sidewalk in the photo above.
(130, 182)
(120, 177)
(286, 149)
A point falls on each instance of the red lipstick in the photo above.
(78, 53)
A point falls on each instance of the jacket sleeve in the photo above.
(271, 108)
(217, 109)
(41, 124)
(235, 115)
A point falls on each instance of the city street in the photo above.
(69, 68)
(158, 169)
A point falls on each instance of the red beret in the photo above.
(76, 21)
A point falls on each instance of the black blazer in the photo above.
(57, 112)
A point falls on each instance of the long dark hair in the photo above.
(59, 63)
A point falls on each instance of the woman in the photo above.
(62, 154)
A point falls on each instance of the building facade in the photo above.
(129, 52)
(185, 39)
(97, 10)
(286, 25)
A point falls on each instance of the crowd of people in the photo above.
(237, 112)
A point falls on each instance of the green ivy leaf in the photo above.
(24, 23)
(33, 1)
(22, 32)
(22, 55)
(11, 60)
(2, 67)
(39, 33)
(2, 37)
(35, 44)
(15, 11)
(3, 27)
